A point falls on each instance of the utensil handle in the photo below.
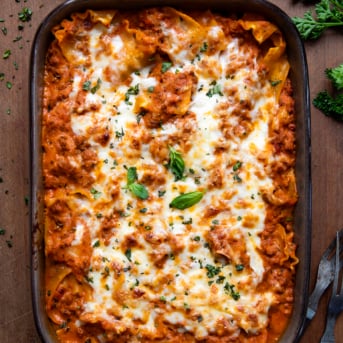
(329, 333)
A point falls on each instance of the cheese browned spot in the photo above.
(125, 262)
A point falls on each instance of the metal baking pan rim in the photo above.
(297, 57)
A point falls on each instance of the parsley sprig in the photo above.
(328, 13)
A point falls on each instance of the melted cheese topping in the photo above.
(188, 286)
(197, 268)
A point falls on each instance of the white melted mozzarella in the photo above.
(191, 280)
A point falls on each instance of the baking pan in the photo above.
(299, 77)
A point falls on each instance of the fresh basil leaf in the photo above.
(176, 163)
(139, 191)
(131, 175)
(186, 200)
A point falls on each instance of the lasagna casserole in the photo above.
(169, 184)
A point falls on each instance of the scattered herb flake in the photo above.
(17, 39)
(230, 289)
(212, 271)
(237, 165)
(214, 90)
(204, 47)
(86, 86)
(96, 194)
(239, 267)
(6, 54)
(9, 85)
(165, 66)
(161, 193)
(25, 14)
(274, 83)
(96, 244)
(134, 90)
(128, 254)
(96, 87)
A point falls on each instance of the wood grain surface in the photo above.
(16, 319)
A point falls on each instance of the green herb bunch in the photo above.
(328, 13)
(332, 106)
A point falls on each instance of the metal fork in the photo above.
(335, 306)
(325, 275)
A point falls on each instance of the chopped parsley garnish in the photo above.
(188, 221)
(212, 271)
(161, 193)
(196, 238)
(9, 85)
(186, 306)
(89, 279)
(96, 87)
(25, 14)
(165, 66)
(214, 90)
(220, 279)
(128, 254)
(230, 289)
(120, 134)
(237, 165)
(6, 54)
(143, 210)
(204, 47)
(4, 30)
(237, 178)
(134, 90)
(86, 86)
(239, 267)
(96, 194)
(2, 232)
(274, 83)
(96, 244)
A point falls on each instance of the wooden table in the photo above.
(16, 320)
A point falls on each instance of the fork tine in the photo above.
(335, 305)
